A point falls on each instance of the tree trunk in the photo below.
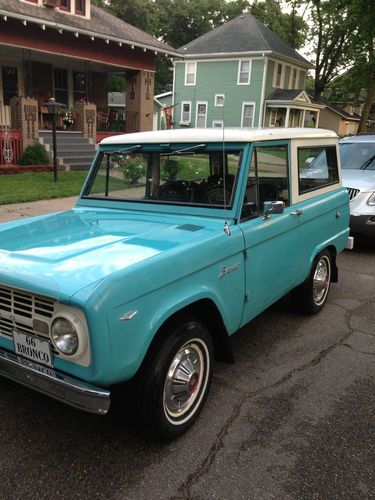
(367, 106)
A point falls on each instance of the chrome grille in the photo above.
(353, 193)
(18, 309)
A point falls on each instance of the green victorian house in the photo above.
(241, 75)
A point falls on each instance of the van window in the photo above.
(317, 168)
(267, 180)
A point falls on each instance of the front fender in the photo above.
(130, 339)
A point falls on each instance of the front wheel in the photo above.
(311, 296)
(174, 382)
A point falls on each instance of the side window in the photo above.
(268, 179)
(317, 168)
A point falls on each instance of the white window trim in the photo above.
(195, 72)
(196, 113)
(217, 122)
(282, 76)
(216, 103)
(182, 112)
(239, 71)
(248, 103)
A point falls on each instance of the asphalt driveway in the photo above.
(293, 418)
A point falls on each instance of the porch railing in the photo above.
(10, 147)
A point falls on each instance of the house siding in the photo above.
(219, 77)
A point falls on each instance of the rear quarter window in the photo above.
(317, 167)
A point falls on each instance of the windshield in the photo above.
(357, 155)
(189, 175)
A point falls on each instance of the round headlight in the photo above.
(65, 336)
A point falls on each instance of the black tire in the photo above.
(310, 297)
(182, 358)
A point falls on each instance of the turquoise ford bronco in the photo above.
(178, 239)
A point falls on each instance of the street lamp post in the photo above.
(53, 107)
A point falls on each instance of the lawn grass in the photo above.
(39, 186)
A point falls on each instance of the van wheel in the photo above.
(311, 296)
(174, 382)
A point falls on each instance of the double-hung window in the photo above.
(278, 75)
(190, 73)
(293, 79)
(81, 7)
(64, 5)
(244, 70)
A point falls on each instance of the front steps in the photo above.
(74, 152)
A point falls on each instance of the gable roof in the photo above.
(289, 95)
(336, 109)
(101, 24)
(243, 34)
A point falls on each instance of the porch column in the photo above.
(85, 120)
(139, 101)
(24, 117)
(287, 117)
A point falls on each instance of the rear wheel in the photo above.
(174, 382)
(311, 296)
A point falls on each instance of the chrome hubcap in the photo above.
(184, 379)
(322, 278)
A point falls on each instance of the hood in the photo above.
(62, 253)
(358, 179)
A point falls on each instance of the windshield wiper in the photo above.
(191, 149)
(367, 162)
(121, 151)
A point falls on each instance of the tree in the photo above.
(290, 27)
(332, 34)
(139, 13)
(364, 54)
(181, 21)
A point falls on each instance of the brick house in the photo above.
(67, 49)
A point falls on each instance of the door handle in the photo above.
(297, 212)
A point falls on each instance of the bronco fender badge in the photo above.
(227, 270)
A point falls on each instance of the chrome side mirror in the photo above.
(271, 208)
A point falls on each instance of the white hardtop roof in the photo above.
(203, 135)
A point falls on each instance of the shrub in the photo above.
(133, 169)
(35, 154)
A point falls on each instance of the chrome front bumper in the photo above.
(57, 385)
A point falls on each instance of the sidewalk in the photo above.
(29, 209)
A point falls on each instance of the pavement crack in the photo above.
(224, 383)
(185, 488)
(359, 350)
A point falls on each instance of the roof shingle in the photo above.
(101, 23)
(242, 34)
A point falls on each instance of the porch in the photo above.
(291, 108)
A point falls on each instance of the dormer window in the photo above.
(80, 7)
(64, 5)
